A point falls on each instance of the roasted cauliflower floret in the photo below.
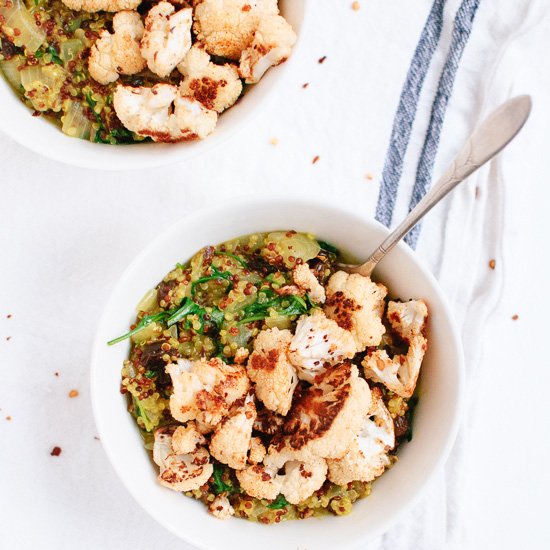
(215, 86)
(271, 370)
(257, 451)
(118, 53)
(301, 479)
(357, 305)
(185, 439)
(400, 372)
(227, 27)
(167, 37)
(272, 45)
(161, 113)
(318, 344)
(180, 472)
(232, 437)
(259, 482)
(368, 455)
(324, 419)
(205, 390)
(221, 508)
(102, 5)
(299, 482)
(306, 281)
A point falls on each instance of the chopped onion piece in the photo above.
(75, 122)
(17, 16)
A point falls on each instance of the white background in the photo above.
(67, 234)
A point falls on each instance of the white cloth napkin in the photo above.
(68, 233)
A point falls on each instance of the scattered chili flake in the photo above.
(56, 451)
(315, 159)
(515, 317)
(355, 6)
(492, 264)
(8, 338)
(73, 393)
(274, 141)
(8, 418)
(369, 176)
(305, 85)
(322, 59)
(9, 316)
(56, 374)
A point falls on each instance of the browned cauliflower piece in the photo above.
(205, 390)
(226, 27)
(232, 437)
(118, 53)
(185, 439)
(368, 456)
(324, 419)
(298, 483)
(270, 369)
(180, 472)
(221, 508)
(162, 114)
(357, 305)
(167, 37)
(101, 5)
(241, 355)
(217, 87)
(259, 482)
(306, 281)
(257, 451)
(301, 479)
(272, 45)
(400, 372)
(318, 344)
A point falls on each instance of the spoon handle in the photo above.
(488, 139)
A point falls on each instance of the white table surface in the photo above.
(67, 234)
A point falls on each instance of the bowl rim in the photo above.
(139, 156)
(305, 201)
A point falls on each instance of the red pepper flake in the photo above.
(305, 85)
(56, 374)
(492, 264)
(8, 338)
(73, 393)
(8, 418)
(17, 32)
(315, 159)
(515, 317)
(56, 451)
(8, 316)
(322, 59)
(36, 113)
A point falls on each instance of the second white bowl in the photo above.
(435, 421)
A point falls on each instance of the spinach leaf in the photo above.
(278, 503)
(219, 485)
(328, 247)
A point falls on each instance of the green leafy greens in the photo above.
(268, 300)
(278, 503)
(219, 485)
(211, 317)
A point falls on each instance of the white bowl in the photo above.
(435, 421)
(44, 138)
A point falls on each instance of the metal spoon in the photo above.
(487, 140)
